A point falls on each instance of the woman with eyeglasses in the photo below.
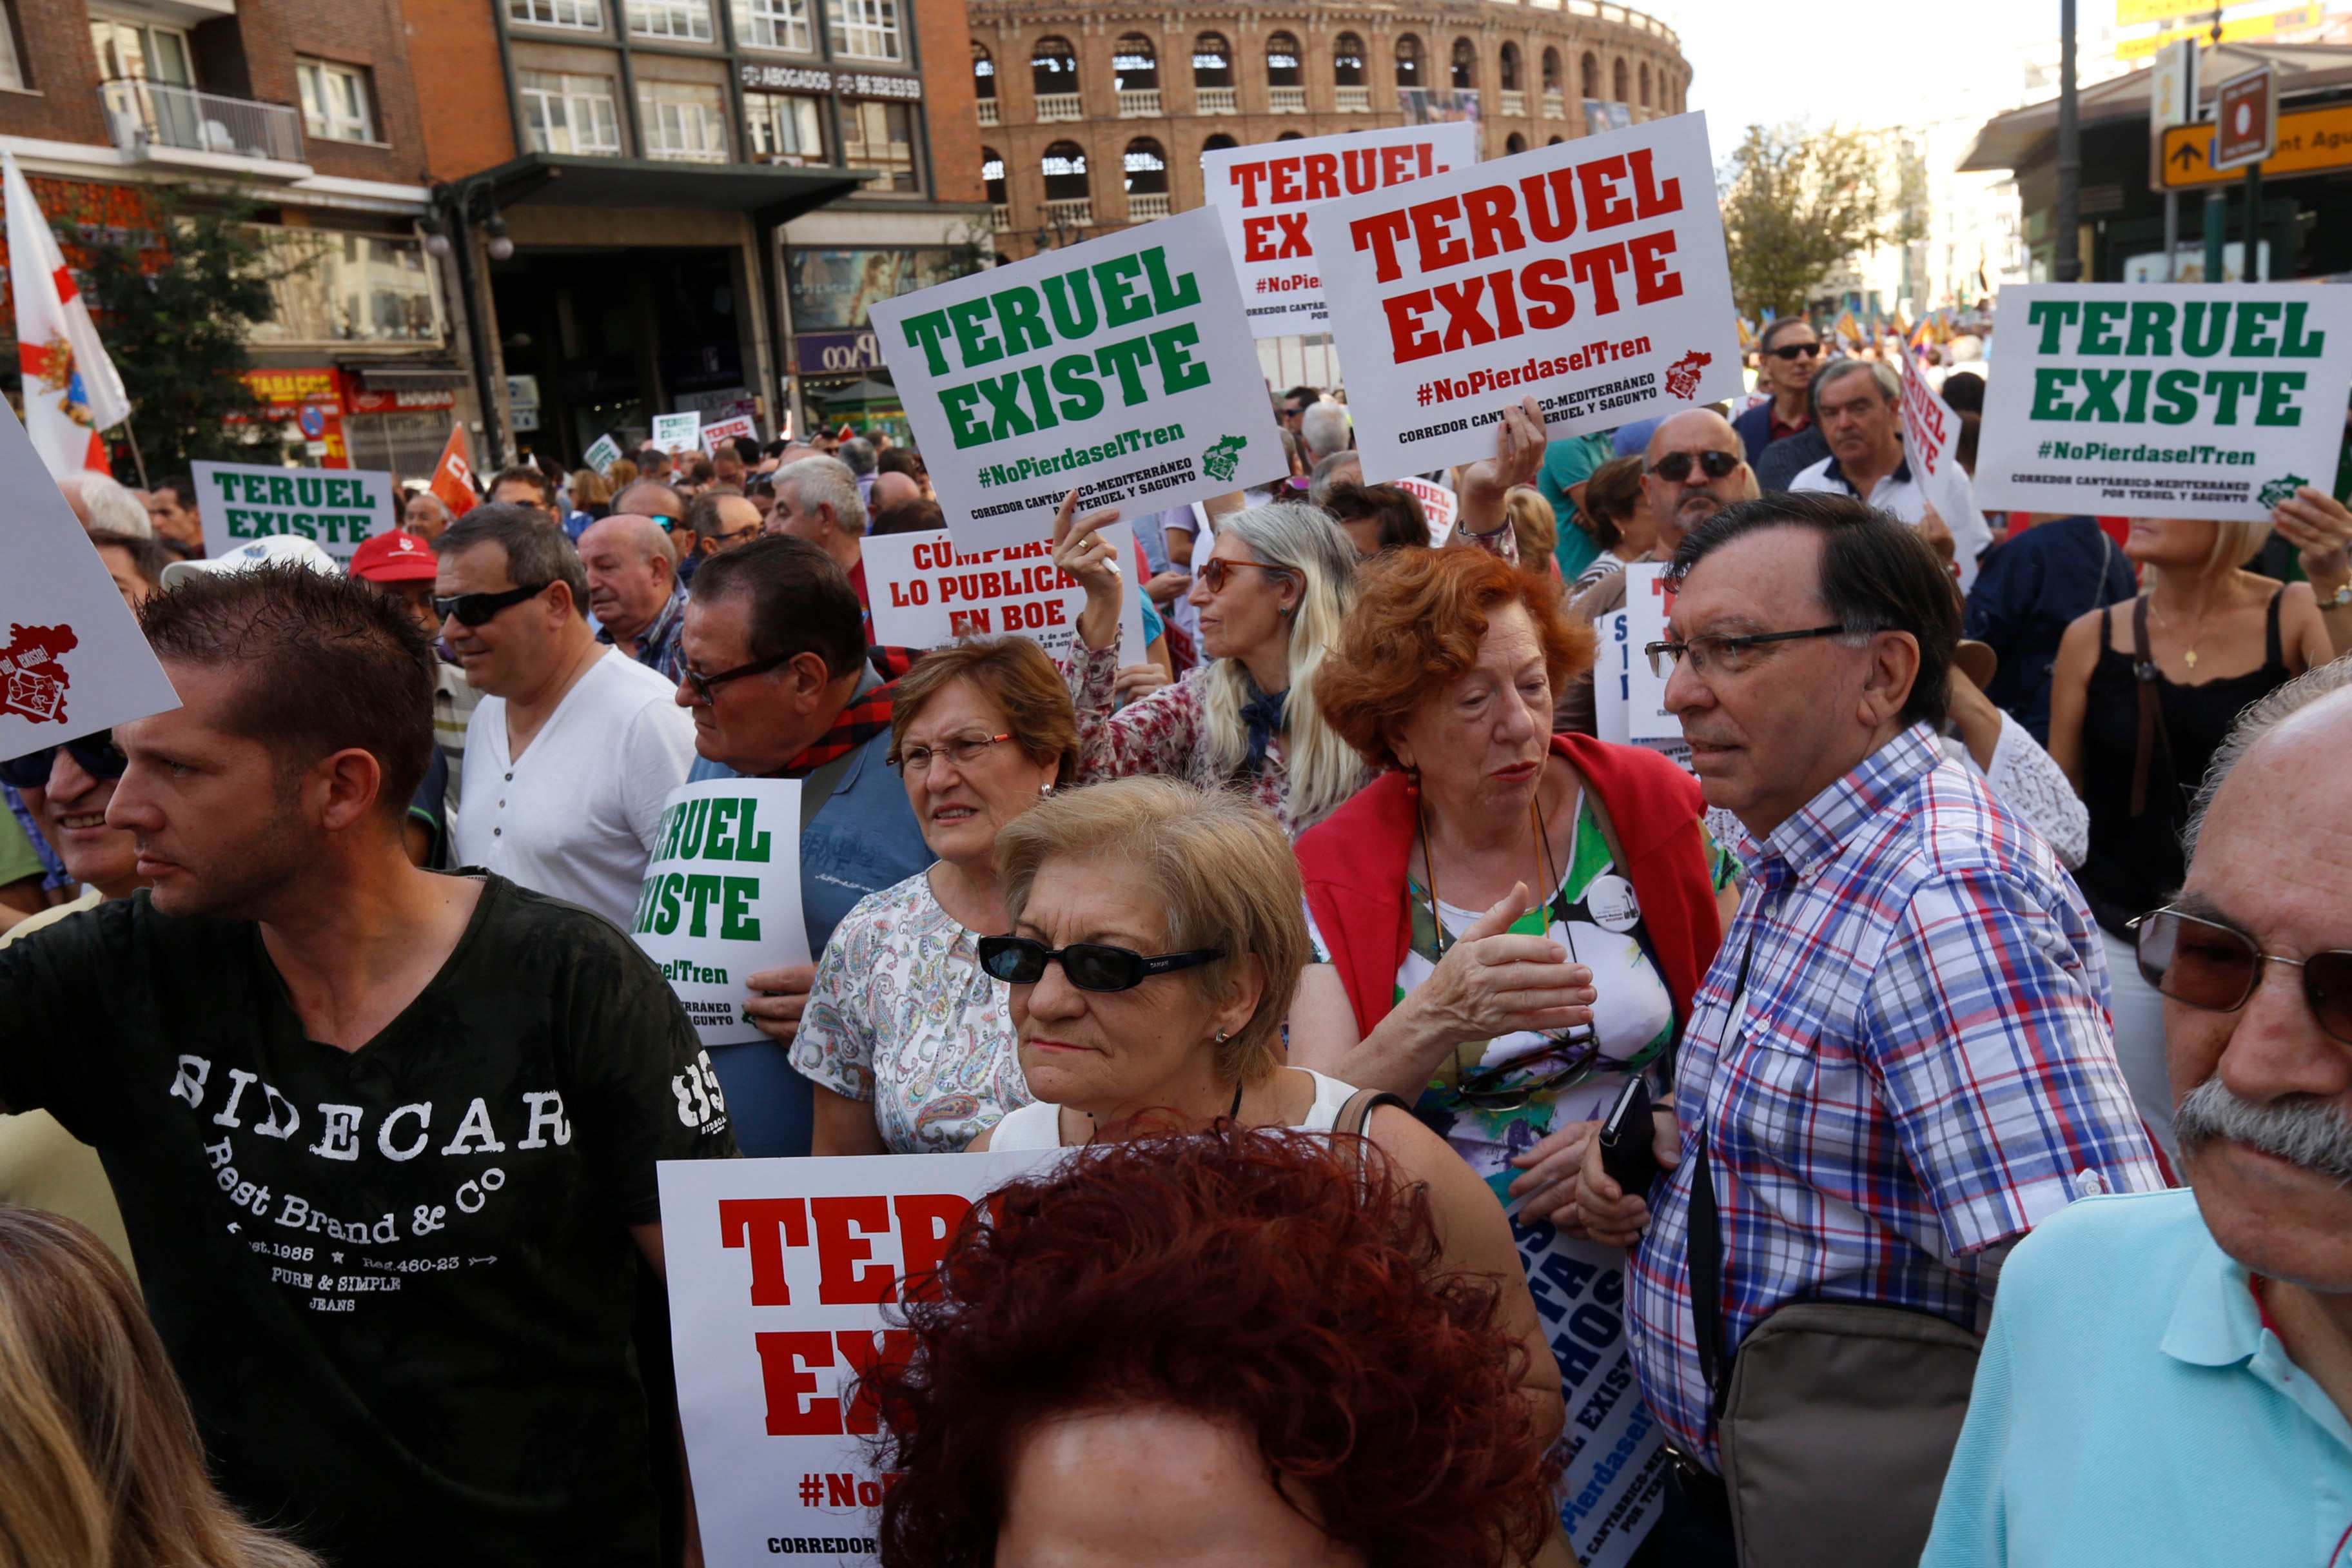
(1271, 597)
(1509, 924)
(907, 1039)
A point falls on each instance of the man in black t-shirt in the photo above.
(384, 1140)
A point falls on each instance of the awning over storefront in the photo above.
(405, 377)
(773, 193)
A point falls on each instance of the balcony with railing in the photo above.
(1078, 212)
(1515, 103)
(1001, 214)
(1143, 206)
(1060, 106)
(1214, 100)
(160, 122)
(987, 110)
(1355, 99)
(1143, 103)
(1287, 100)
(1555, 104)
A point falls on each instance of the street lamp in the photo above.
(1063, 230)
(453, 208)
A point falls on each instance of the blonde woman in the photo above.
(1271, 596)
(98, 1458)
(591, 495)
(2141, 695)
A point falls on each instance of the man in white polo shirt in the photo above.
(575, 745)
(1858, 408)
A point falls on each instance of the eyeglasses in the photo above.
(964, 750)
(1795, 351)
(98, 754)
(2209, 965)
(752, 531)
(1731, 656)
(1216, 572)
(1089, 966)
(475, 609)
(1676, 467)
(700, 684)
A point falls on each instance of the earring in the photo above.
(1221, 1036)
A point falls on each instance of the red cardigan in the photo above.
(1355, 863)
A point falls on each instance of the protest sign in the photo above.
(676, 432)
(602, 453)
(727, 430)
(1590, 275)
(1263, 193)
(722, 898)
(1122, 368)
(72, 661)
(1438, 506)
(2164, 400)
(781, 1274)
(1931, 441)
(339, 508)
(926, 593)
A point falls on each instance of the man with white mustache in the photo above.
(2169, 1375)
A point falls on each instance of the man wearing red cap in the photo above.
(401, 567)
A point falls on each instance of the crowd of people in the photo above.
(1842, 1072)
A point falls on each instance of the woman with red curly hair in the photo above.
(1233, 1347)
(1509, 924)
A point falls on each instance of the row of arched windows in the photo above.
(1143, 167)
(1134, 67)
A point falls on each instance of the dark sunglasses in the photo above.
(2209, 965)
(700, 684)
(474, 609)
(1089, 966)
(1676, 467)
(1795, 351)
(1216, 572)
(97, 754)
(1491, 1088)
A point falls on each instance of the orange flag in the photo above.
(453, 477)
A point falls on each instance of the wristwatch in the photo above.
(2338, 599)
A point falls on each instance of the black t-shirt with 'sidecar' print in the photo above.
(398, 1282)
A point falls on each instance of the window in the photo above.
(983, 71)
(1514, 142)
(991, 175)
(1509, 75)
(1465, 64)
(1145, 165)
(1589, 70)
(784, 128)
(334, 288)
(1408, 61)
(1552, 71)
(1554, 142)
(1135, 66)
(1213, 61)
(12, 70)
(1219, 141)
(335, 101)
(136, 51)
(866, 29)
(572, 114)
(587, 15)
(682, 121)
(1281, 60)
(774, 25)
(1617, 75)
(1348, 61)
(1292, 136)
(1052, 67)
(1645, 87)
(686, 20)
(1064, 168)
(880, 137)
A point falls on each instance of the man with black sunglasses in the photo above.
(1787, 356)
(2205, 1332)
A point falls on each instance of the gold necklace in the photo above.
(2188, 657)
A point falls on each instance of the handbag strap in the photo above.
(2151, 710)
(1706, 1246)
(1356, 1113)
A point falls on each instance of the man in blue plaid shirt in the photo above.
(1900, 1062)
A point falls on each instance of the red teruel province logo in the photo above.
(33, 678)
(1682, 377)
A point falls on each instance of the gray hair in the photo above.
(1320, 484)
(1323, 429)
(858, 453)
(1882, 375)
(102, 503)
(2255, 723)
(536, 551)
(823, 482)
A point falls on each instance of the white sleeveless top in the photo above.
(1039, 1125)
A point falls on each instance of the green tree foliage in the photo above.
(175, 313)
(1797, 202)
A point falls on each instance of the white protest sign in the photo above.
(1121, 367)
(1931, 441)
(926, 593)
(1612, 678)
(1439, 506)
(602, 453)
(1590, 275)
(780, 1273)
(1263, 193)
(1647, 605)
(676, 432)
(727, 430)
(72, 660)
(722, 898)
(339, 508)
(2164, 400)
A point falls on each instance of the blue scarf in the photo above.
(1262, 717)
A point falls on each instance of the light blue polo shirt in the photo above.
(2131, 1409)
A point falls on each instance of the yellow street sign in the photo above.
(2132, 12)
(2308, 142)
(2245, 29)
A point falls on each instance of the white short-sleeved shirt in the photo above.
(575, 816)
(1038, 1125)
